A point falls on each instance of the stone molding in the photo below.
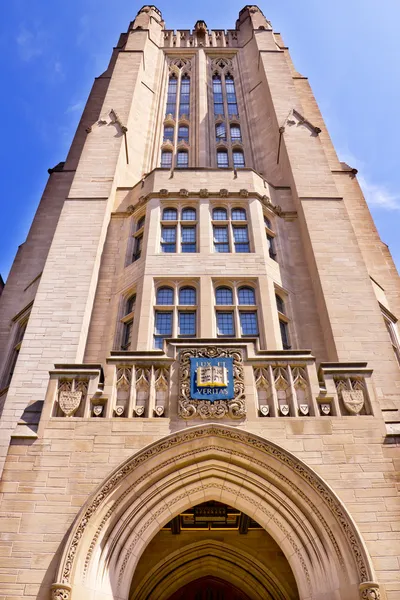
(243, 444)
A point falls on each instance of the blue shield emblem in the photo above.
(211, 378)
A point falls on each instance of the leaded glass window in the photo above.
(188, 214)
(187, 323)
(225, 323)
(241, 239)
(168, 239)
(220, 132)
(171, 96)
(166, 159)
(187, 296)
(218, 97)
(248, 323)
(220, 214)
(165, 295)
(222, 159)
(239, 214)
(236, 135)
(246, 295)
(238, 159)
(188, 239)
(223, 296)
(182, 160)
(221, 239)
(184, 103)
(170, 214)
(231, 96)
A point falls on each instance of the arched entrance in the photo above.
(215, 463)
(209, 588)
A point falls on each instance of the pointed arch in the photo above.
(216, 462)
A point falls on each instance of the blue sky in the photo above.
(50, 53)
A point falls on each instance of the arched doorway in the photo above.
(209, 588)
(206, 463)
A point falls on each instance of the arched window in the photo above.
(220, 214)
(168, 133)
(231, 96)
(183, 134)
(140, 223)
(170, 214)
(238, 214)
(238, 159)
(246, 295)
(223, 296)
(222, 159)
(217, 94)
(187, 296)
(171, 97)
(182, 159)
(184, 103)
(165, 295)
(188, 214)
(166, 159)
(220, 132)
(236, 135)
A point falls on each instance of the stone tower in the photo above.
(198, 345)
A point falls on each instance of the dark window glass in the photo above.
(271, 247)
(187, 296)
(220, 132)
(137, 247)
(165, 295)
(127, 335)
(238, 214)
(14, 357)
(188, 239)
(231, 96)
(280, 305)
(170, 214)
(187, 323)
(182, 160)
(246, 295)
(236, 135)
(238, 159)
(222, 159)
(248, 323)
(166, 159)
(171, 97)
(220, 214)
(184, 104)
(183, 134)
(130, 303)
(168, 133)
(162, 328)
(189, 214)
(241, 239)
(218, 98)
(284, 334)
(168, 239)
(267, 222)
(140, 223)
(225, 325)
(223, 296)
(221, 243)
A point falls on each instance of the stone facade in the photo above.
(201, 212)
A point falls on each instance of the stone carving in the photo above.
(139, 411)
(163, 193)
(189, 408)
(184, 193)
(224, 193)
(370, 591)
(249, 440)
(60, 592)
(304, 409)
(98, 410)
(284, 409)
(221, 65)
(244, 193)
(159, 411)
(119, 411)
(69, 402)
(204, 193)
(326, 409)
(264, 410)
(353, 401)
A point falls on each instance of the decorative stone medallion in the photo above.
(353, 401)
(69, 402)
(227, 379)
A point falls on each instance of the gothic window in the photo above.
(390, 322)
(238, 159)
(170, 214)
(220, 132)
(171, 97)
(182, 234)
(182, 160)
(188, 214)
(19, 327)
(127, 322)
(283, 322)
(218, 97)
(169, 134)
(222, 159)
(184, 103)
(183, 134)
(270, 237)
(171, 320)
(166, 159)
(231, 234)
(232, 318)
(231, 96)
(236, 135)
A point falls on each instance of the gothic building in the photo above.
(199, 368)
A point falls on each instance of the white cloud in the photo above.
(77, 106)
(31, 43)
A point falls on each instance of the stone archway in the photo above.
(215, 462)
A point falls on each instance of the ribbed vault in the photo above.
(214, 462)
